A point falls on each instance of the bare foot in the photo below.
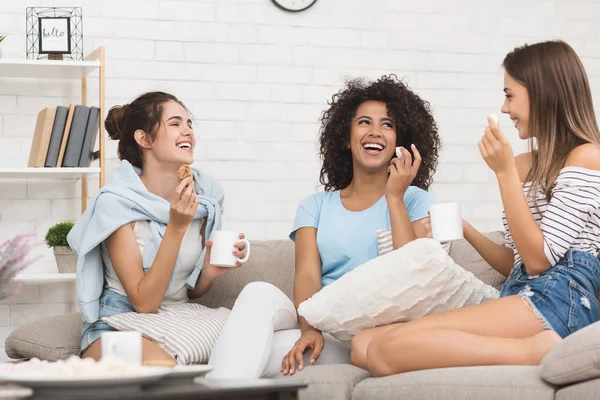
(542, 343)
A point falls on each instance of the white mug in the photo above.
(221, 253)
(446, 222)
(126, 345)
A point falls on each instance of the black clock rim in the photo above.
(288, 10)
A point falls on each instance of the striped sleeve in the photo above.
(574, 198)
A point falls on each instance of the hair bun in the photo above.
(114, 121)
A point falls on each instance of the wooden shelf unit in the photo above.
(51, 69)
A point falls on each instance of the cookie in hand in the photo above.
(184, 172)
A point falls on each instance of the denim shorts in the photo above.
(565, 297)
(111, 303)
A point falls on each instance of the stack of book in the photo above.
(64, 137)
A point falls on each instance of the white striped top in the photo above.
(571, 220)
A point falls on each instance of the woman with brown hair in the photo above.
(551, 198)
(143, 243)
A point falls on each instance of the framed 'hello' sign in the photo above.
(55, 33)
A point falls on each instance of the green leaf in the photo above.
(57, 234)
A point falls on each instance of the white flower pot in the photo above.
(66, 261)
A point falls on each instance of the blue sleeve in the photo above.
(307, 214)
(417, 203)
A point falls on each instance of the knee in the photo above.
(358, 348)
(376, 359)
(260, 293)
(360, 345)
(258, 290)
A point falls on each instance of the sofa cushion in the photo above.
(465, 383)
(270, 261)
(589, 390)
(418, 279)
(330, 382)
(575, 359)
(465, 255)
(52, 338)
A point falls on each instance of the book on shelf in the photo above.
(89, 141)
(65, 137)
(58, 129)
(41, 137)
(76, 137)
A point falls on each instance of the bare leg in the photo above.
(507, 317)
(417, 350)
(150, 352)
(361, 341)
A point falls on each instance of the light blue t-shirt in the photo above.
(347, 239)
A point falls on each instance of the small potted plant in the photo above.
(66, 261)
(2, 37)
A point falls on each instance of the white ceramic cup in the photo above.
(446, 222)
(126, 345)
(221, 253)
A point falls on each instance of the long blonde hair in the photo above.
(561, 111)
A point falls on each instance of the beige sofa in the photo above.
(570, 371)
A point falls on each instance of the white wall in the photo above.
(257, 78)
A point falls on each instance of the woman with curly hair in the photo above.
(369, 137)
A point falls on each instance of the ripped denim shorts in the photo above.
(111, 303)
(565, 297)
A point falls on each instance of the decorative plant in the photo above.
(2, 37)
(57, 234)
(13, 259)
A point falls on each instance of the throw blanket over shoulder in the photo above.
(123, 200)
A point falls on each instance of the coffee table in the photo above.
(260, 389)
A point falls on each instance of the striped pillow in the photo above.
(186, 331)
(385, 245)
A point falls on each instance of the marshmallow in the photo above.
(494, 117)
(399, 153)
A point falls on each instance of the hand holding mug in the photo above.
(224, 251)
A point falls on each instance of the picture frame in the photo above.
(54, 33)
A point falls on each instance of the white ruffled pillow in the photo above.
(415, 280)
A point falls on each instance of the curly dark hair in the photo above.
(411, 115)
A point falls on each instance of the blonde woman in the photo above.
(551, 198)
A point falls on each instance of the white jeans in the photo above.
(261, 329)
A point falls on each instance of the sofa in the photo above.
(570, 371)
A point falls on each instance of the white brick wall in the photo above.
(257, 78)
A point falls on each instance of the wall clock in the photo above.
(294, 5)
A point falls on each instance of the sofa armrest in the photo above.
(575, 359)
(54, 338)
